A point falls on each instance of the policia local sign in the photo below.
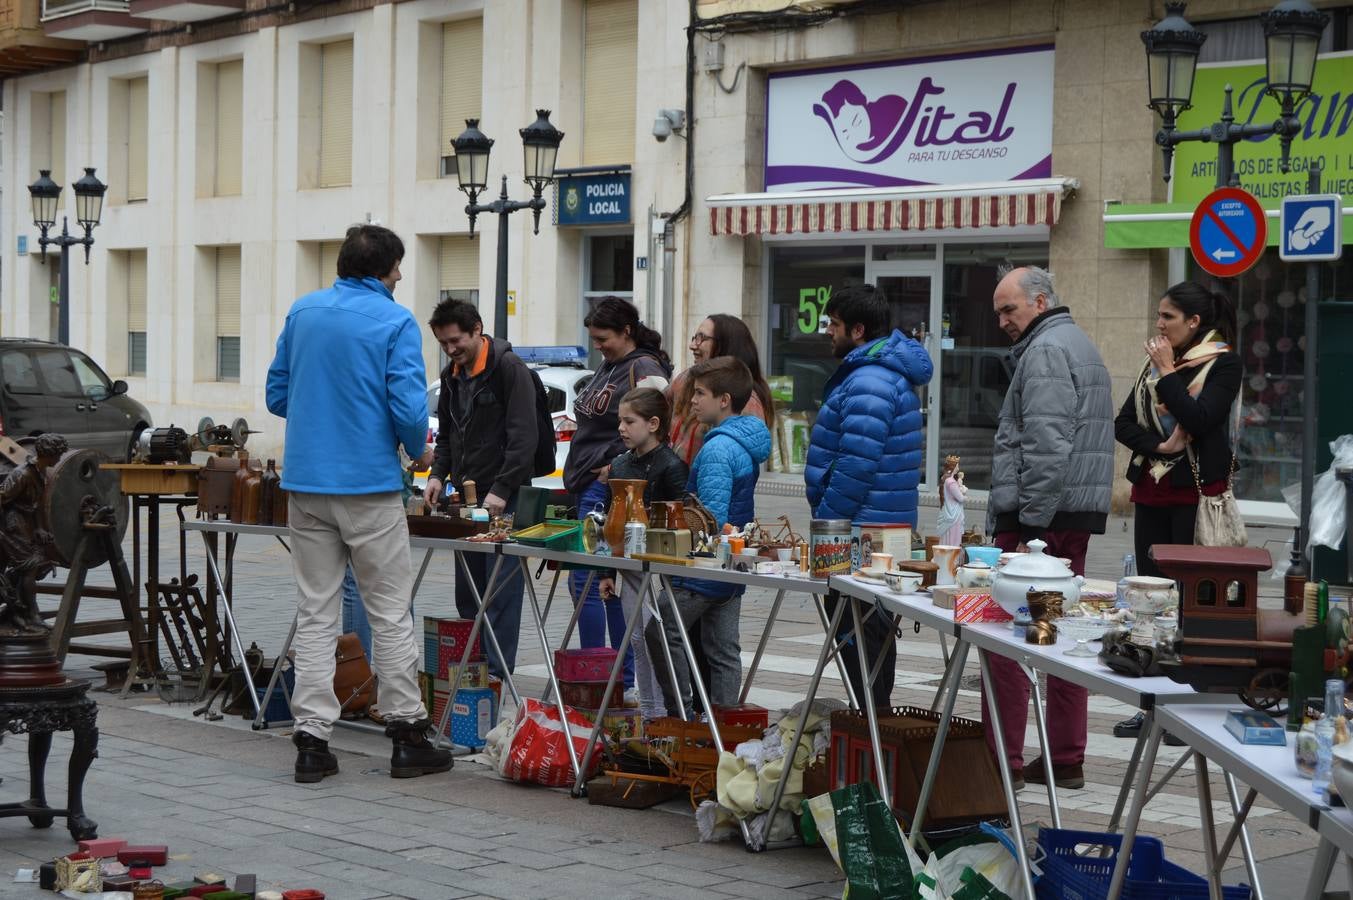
(593, 199)
(1326, 133)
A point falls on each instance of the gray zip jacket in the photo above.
(1052, 469)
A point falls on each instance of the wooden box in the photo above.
(445, 527)
(142, 478)
(967, 787)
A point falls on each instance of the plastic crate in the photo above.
(553, 534)
(278, 709)
(1068, 876)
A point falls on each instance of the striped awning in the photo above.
(921, 208)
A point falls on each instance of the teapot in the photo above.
(1034, 571)
(975, 575)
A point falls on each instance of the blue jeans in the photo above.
(599, 616)
(504, 614)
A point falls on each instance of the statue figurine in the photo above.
(949, 522)
(25, 541)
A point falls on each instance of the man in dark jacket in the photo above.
(865, 452)
(1051, 479)
(486, 433)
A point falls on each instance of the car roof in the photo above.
(31, 341)
(555, 376)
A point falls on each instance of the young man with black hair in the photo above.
(348, 378)
(486, 433)
(866, 448)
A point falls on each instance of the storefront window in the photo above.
(1271, 312)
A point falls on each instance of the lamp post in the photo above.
(1292, 32)
(540, 144)
(88, 210)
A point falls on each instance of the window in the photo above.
(462, 78)
(335, 115)
(136, 312)
(47, 140)
(138, 137)
(18, 373)
(610, 61)
(58, 373)
(93, 383)
(328, 263)
(458, 269)
(229, 128)
(227, 313)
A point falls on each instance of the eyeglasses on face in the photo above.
(699, 339)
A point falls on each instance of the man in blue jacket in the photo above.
(865, 451)
(349, 379)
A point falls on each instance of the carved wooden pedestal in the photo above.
(38, 712)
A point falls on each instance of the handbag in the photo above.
(354, 685)
(1219, 523)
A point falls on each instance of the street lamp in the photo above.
(1292, 32)
(88, 210)
(540, 144)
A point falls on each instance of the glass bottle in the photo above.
(253, 493)
(1129, 571)
(1325, 732)
(268, 496)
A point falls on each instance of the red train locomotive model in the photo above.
(1225, 642)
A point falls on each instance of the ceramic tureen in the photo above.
(1036, 571)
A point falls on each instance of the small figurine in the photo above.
(949, 522)
(25, 541)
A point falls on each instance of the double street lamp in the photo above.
(1292, 32)
(540, 143)
(88, 209)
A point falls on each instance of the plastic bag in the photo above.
(538, 753)
(1326, 528)
(866, 842)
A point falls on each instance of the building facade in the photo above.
(798, 148)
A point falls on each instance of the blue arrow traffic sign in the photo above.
(1228, 232)
(1312, 228)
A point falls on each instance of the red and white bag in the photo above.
(538, 753)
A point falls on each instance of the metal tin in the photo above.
(829, 542)
(636, 538)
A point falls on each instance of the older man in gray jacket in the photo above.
(1052, 477)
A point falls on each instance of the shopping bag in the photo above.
(538, 753)
(872, 852)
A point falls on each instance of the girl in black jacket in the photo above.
(1178, 414)
(645, 418)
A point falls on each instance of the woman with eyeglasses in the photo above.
(718, 335)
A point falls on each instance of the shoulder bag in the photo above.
(1219, 523)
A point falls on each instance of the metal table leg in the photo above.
(234, 632)
(1139, 798)
(827, 629)
(1204, 788)
(1148, 717)
(1011, 804)
(1041, 724)
(952, 675)
(1321, 869)
(491, 590)
(870, 713)
(761, 647)
(480, 620)
(1241, 811)
(656, 608)
(551, 680)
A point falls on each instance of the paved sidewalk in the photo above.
(221, 796)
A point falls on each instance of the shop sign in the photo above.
(942, 120)
(1227, 233)
(593, 199)
(1326, 135)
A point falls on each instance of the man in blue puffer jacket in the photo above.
(865, 452)
(723, 476)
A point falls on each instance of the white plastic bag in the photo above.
(1326, 528)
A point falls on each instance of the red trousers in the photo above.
(1067, 704)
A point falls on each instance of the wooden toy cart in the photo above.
(688, 751)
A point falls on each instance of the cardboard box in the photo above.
(943, 596)
(977, 607)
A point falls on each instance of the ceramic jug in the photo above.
(620, 513)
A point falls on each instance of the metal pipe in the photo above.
(761, 647)
(956, 662)
(870, 712)
(1135, 811)
(1310, 388)
(550, 677)
(1007, 784)
(1041, 724)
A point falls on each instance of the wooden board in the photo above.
(143, 478)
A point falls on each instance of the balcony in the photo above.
(185, 10)
(24, 46)
(90, 20)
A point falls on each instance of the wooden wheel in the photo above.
(1267, 691)
(704, 787)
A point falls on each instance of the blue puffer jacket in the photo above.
(864, 456)
(724, 478)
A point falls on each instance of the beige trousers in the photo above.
(328, 530)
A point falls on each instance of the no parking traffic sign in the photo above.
(1228, 232)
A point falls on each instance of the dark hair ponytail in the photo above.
(620, 315)
(1214, 309)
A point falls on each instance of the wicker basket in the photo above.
(148, 890)
(78, 875)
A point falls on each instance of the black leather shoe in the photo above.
(1130, 728)
(413, 753)
(313, 760)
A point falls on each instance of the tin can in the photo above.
(636, 538)
(829, 542)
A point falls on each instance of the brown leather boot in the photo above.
(1070, 777)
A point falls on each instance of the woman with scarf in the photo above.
(1177, 419)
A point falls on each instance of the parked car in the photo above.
(49, 387)
(562, 371)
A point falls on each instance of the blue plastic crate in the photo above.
(278, 708)
(1068, 876)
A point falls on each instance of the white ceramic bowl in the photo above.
(903, 582)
